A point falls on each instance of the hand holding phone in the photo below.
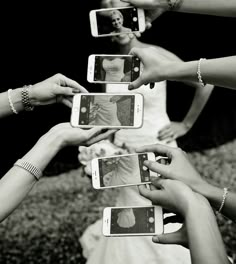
(115, 21)
(121, 170)
(113, 68)
(132, 221)
(107, 110)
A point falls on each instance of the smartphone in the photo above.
(113, 68)
(116, 21)
(121, 170)
(108, 110)
(132, 221)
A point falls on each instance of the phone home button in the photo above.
(151, 220)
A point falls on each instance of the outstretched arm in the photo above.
(17, 182)
(159, 67)
(181, 169)
(203, 236)
(56, 89)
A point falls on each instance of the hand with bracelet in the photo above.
(182, 170)
(19, 180)
(56, 89)
(199, 232)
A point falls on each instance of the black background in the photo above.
(38, 41)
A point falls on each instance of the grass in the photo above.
(47, 226)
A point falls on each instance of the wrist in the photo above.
(44, 150)
(183, 71)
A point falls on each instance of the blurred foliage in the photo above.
(47, 226)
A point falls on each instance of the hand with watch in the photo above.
(56, 89)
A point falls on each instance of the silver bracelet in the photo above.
(223, 200)
(36, 172)
(25, 98)
(199, 75)
(10, 102)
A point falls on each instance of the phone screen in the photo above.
(123, 170)
(117, 21)
(133, 220)
(116, 68)
(107, 110)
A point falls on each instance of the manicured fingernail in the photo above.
(152, 85)
(130, 87)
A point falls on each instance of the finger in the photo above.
(150, 194)
(167, 135)
(169, 238)
(151, 85)
(66, 102)
(157, 167)
(65, 81)
(164, 129)
(160, 149)
(100, 137)
(136, 84)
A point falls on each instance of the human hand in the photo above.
(155, 66)
(93, 112)
(179, 167)
(175, 196)
(73, 136)
(153, 9)
(172, 131)
(56, 89)
(179, 237)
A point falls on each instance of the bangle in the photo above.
(10, 102)
(36, 172)
(223, 200)
(199, 76)
(25, 98)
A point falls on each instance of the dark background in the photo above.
(38, 41)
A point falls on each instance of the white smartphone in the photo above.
(121, 170)
(132, 221)
(113, 68)
(116, 21)
(108, 110)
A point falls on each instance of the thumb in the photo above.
(136, 84)
(94, 132)
(169, 238)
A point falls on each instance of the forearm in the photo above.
(215, 195)
(17, 183)
(210, 7)
(200, 99)
(221, 72)
(205, 241)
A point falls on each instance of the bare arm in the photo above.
(159, 67)
(55, 89)
(203, 236)
(17, 182)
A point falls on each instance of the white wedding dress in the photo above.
(135, 250)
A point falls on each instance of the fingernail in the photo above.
(155, 239)
(130, 87)
(152, 85)
(104, 130)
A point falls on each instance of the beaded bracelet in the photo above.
(36, 172)
(223, 200)
(25, 98)
(199, 76)
(10, 102)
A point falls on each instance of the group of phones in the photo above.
(118, 111)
